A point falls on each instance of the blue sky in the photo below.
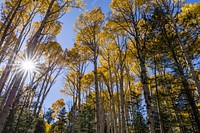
(66, 39)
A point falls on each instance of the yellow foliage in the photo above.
(47, 127)
(54, 115)
(87, 80)
(88, 27)
(56, 106)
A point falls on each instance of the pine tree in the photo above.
(139, 123)
(40, 126)
(48, 116)
(61, 123)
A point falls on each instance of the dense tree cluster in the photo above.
(30, 59)
(146, 68)
(135, 70)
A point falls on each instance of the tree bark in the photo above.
(97, 91)
(10, 100)
(147, 97)
(122, 94)
(186, 56)
(79, 102)
(110, 88)
(10, 22)
(186, 88)
(158, 99)
(39, 95)
(144, 80)
(74, 112)
(118, 107)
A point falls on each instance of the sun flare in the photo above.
(28, 65)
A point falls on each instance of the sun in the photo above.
(28, 65)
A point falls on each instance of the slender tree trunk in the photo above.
(5, 33)
(79, 102)
(46, 89)
(110, 120)
(102, 114)
(122, 95)
(74, 112)
(10, 100)
(166, 100)
(40, 94)
(127, 118)
(30, 94)
(119, 105)
(9, 66)
(7, 92)
(169, 102)
(7, 19)
(192, 103)
(114, 116)
(186, 56)
(170, 114)
(31, 47)
(97, 92)
(34, 40)
(5, 48)
(158, 99)
(178, 118)
(144, 81)
(20, 113)
(186, 88)
(40, 107)
(33, 95)
(12, 58)
(6, 73)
